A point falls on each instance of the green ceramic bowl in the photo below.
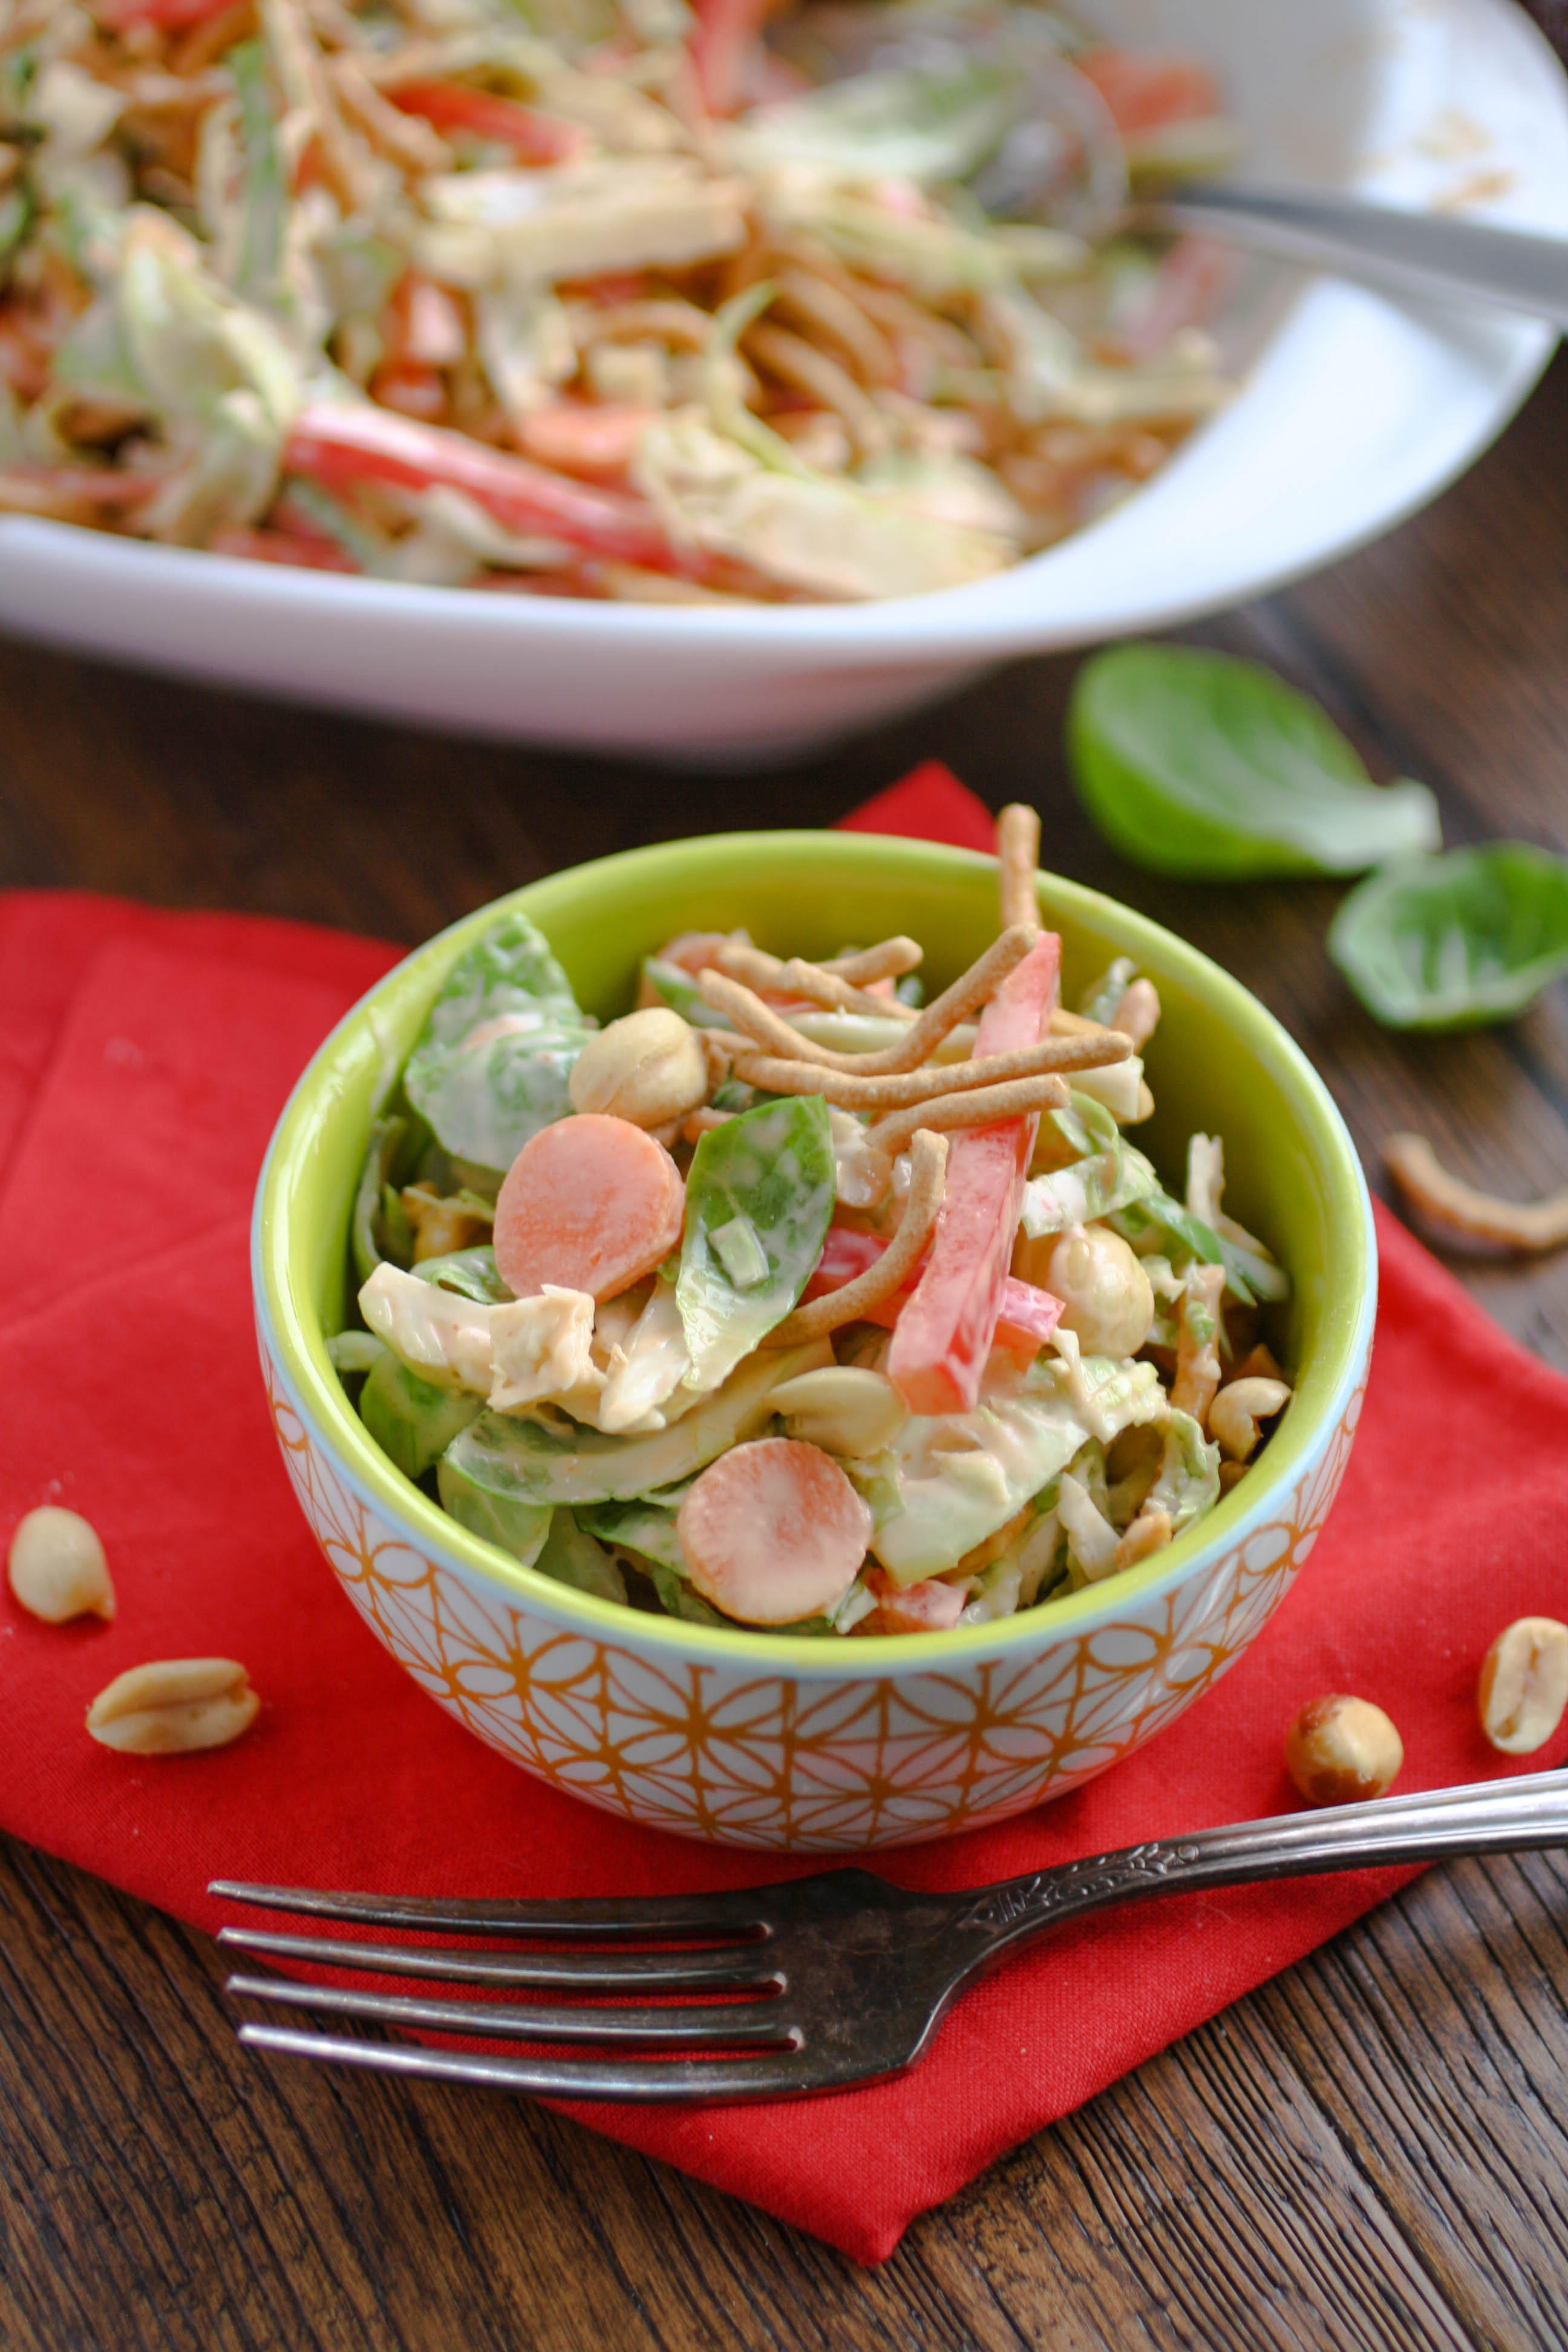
(779, 1740)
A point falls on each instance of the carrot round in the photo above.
(772, 1531)
(590, 1203)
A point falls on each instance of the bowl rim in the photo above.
(312, 1389)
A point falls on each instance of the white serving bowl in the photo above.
(1355, 410)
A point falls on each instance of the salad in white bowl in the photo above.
(612, 302)
(1344, 411)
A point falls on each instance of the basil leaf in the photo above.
(759, 1200)
(1452, 942)
(1197, 764)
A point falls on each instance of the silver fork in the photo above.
(806, 1986)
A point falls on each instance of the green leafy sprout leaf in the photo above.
(1457, 941)
(1197, 764)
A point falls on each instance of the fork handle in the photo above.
(1424, 253)
(1489, 1817)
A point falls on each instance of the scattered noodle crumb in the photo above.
(1466, 1215)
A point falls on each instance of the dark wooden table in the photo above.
(1368, 2152)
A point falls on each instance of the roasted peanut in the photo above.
(1236, 1411)
(57, 1566)
(1523, 1686)
(1106, 1296)
(1150, 1532)
(647, 1067)
(1340, 1748)
(174, 1706)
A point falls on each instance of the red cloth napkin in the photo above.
(144, 1059)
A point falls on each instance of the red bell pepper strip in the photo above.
(533, 138)
(944, 1334)
(1026, 1318)
(339, 446)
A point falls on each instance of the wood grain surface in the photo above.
(1368, 2152)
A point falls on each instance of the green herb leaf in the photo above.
(1453, 942)
(759, 1200)
(1194, 763)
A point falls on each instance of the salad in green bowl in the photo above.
(788, 1300)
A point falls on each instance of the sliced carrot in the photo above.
(589, 1203)
(1144, 90)
(944, 1334)
(929, 1607)
(772, 1531)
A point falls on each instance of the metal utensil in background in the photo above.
(1419, 253)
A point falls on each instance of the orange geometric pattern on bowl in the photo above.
(789, 1761)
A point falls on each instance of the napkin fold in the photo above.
(144, 1060)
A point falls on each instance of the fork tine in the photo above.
(733, 1912)
(726, 2022)
(780, 2075)
(742, 1968)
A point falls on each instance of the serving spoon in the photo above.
(1042, 148)
(1419, 253)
